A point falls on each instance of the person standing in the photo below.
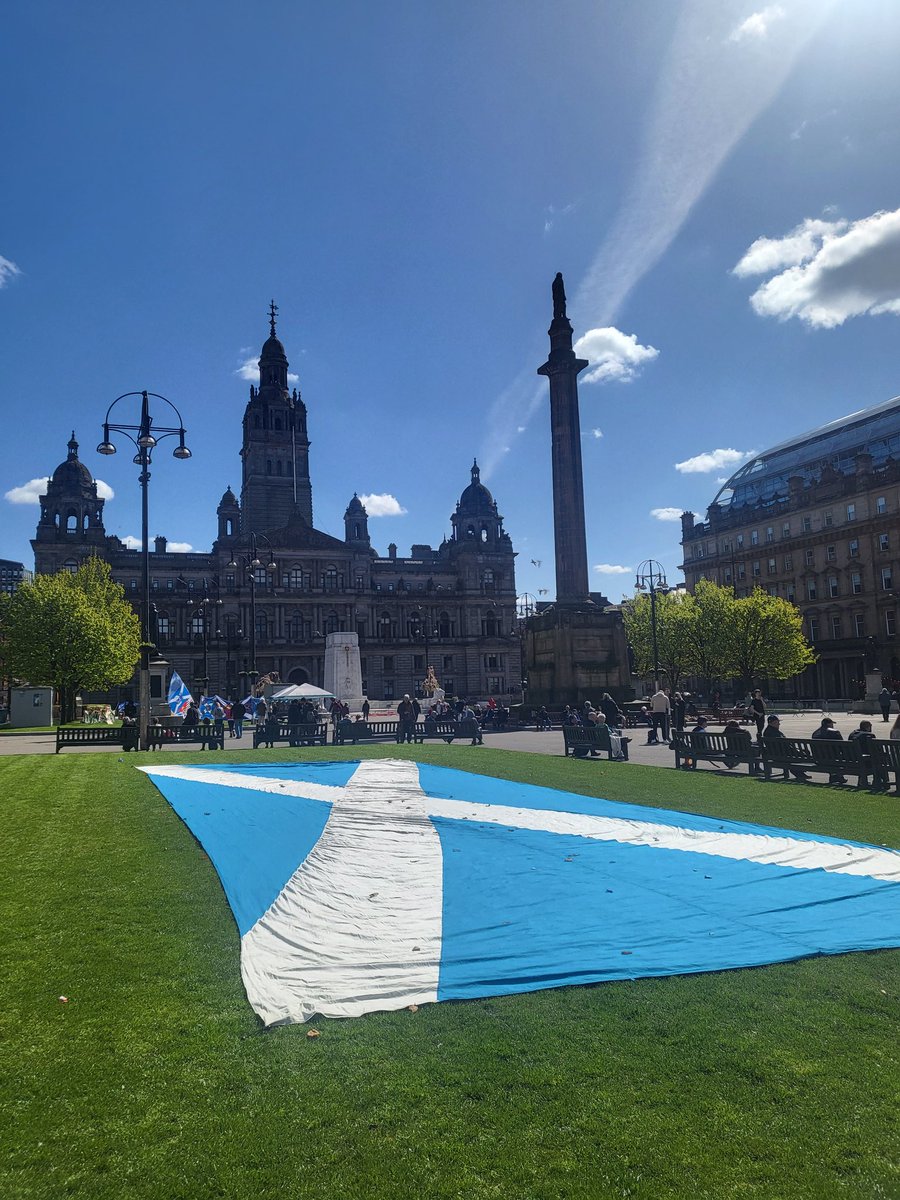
(679, 712)
(659, 711)
(365, 709)
(238, 712)
(758, 709)
(884, 701)
(406, 720)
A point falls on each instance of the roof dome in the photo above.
(229, 499)
(72, 474)
(355, 505)
(476, 495)
(272, 348)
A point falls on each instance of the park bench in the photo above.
(373, 731)
(203, 734)
(816, 754)
(884, 757)
(100, 735)
(730, 749)
(580, 740)
(306, 733)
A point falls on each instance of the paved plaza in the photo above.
(528, 740)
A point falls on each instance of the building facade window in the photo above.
(812, 624)
(881, 505)
(856, 583)
(836, 627)
(756, 569)
(884, 541)
(807, 524)
(789, 562)
(754, 537)
(772, 566)
(830, 553)
(739, 540)
(833, 588)
(770, 533)
(854, 548)
(786, 529)
(810, 557)
(829, 519)
(887, 578)
(859, 624)
(890, 623)
(811, 589)
(851, 512)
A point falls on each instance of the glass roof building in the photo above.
(815, 520)
(764, 480)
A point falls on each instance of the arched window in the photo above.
(488, 578)
(293, 579)
(229, 527)
(331, 623)
(262, 626)
(414, 625)
(470, 531)
(163, 627)
(445, 625)
(70, 566)
(297, 628)
(56, 519)
(72, 521)
(484, 533)
(85, 521)
(385, 627)
(197, 625)
(356, 530)
(330, 580)
(261, 577)
(489, 626)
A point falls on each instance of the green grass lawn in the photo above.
(156, 1079)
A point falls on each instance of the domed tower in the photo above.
(476, 520)
(356, 525)
(275, 482)
(70, 528)
(229, 515)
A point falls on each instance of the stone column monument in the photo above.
(342, 671)
(562, 369)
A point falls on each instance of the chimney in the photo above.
(392, 550)
(159, 544)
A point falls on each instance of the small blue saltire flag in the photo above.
(207, 706)
(179, 696)
(359, 886)
(249, 704)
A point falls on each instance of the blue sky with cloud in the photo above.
(717, 181)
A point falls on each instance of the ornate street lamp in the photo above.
(144, 437)
(251, 563)
(204, 605)
(652, 578)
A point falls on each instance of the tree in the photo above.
(673, 622)
(766, 639)
(71, 631)
(709, 636)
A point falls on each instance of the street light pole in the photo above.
(252, 563)
(651, 577)
(148, 436)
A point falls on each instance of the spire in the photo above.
(73, 447)
(476, 472)
(273, 309)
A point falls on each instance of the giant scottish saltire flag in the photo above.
(375, 885)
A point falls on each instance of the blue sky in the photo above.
(717, 180)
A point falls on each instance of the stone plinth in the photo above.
(343, 676)
(575, 653)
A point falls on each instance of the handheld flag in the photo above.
(206, 706)
(179, 696)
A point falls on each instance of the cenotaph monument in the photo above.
(343, 676)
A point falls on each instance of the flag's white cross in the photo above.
(360, 918)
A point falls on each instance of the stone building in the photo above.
(816, 520)
(11, 575)
(452, 607)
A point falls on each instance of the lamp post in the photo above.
(652, 578)
(251, 563)
(421, 633)
(204, 606)
(145, 437)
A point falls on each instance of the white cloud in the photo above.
(249, 369)
(382, 504)
(757, 24)
(666, 514)
(613, 355)
(520, 429)
(713, 460)
(28, 493)
(8, 271)
(131, 543)
(179, 547)
(611, 569)
(833, 270)
(596, 433)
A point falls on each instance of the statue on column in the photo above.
(430, 684)
(559, 296)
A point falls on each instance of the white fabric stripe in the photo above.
(358, 926)
(752, 847)
(253, 783)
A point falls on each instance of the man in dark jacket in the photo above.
(407, 715)
(827, 733)
(773, 730)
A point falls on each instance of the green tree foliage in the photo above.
(766, 638)
(71, 631)
(714, 635)
(674, 615)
